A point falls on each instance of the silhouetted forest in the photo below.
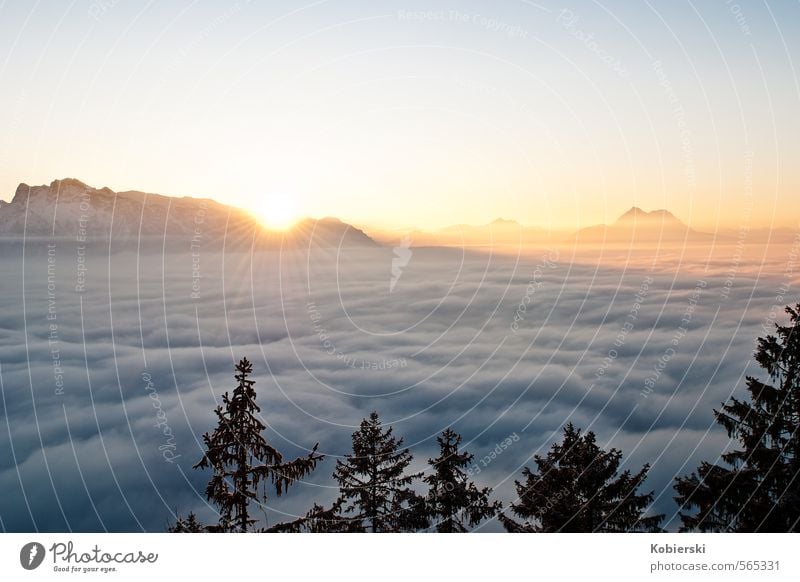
(575, 487)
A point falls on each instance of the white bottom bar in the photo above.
(340, 557)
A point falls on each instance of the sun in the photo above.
(277, 212)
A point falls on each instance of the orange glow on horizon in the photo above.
(277, 212)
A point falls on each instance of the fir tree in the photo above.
(454, 503)
(758, 489)
(318, 519)
(577, 488)
(374, 488)
(188, 525)
(242, 461)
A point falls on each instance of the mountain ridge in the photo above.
(637, 226)
(70, 208)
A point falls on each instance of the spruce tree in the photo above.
(242, 461)
(577, 488)
(318, 519)
(757, 488)
(189, 525)
(454, 504)
(374, 488)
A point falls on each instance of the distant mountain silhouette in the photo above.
(499, 232)
(638, 226)
(325, 232)
(636, 214)
(69, 208)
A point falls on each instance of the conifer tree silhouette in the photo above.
(759, 489)
(577, 488)
(374, 488)
(189, 525)
(318, 519)
(242, 461)
(454, 504)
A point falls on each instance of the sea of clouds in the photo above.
(108, 387)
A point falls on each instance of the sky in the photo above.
(412, 114)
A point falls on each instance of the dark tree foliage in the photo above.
(577, 488)
(375, 493)
(759, 489)
(454, 504)
(317, 520)
(242, 461)
(188, 525)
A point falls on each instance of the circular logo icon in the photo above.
(31, 555)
